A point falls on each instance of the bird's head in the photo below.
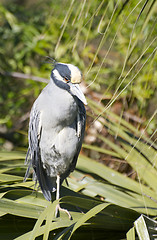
(68, 77)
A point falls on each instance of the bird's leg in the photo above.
(58, 208)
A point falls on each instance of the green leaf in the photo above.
(10, 178)
(131, 234)
(101, 150)
(86, 217)
(24, 210)
(141, 229)
(14, 155)
(142, 166)
(146, 227)
(41, 230)
(46, 213)
(116, 178)
(49, 217)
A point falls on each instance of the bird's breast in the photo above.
(59, 110)
(58, 120)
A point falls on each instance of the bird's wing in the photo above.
(33, 158)
(34, 138)
(81, 122)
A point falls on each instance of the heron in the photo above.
(56, 130)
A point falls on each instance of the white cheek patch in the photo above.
(57, 75)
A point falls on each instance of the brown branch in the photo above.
(24, 76)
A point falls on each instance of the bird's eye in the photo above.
(66, 79)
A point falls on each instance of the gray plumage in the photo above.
(56, 128)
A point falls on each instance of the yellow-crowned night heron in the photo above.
(56, 129)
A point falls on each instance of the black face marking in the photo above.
(63, 71)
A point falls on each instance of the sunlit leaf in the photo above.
(131, 234)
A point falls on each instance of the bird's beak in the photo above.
(76, 91)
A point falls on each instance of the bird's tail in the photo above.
(47, 183)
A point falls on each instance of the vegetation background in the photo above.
(112, 194)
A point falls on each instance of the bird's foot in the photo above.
(58, 208)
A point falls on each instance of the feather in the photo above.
(33, 157)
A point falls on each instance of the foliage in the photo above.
(103, 38)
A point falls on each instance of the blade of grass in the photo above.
(141, 229)
(116, 178)
(101, 150)
(4, 156)
(82, 220)
(131, 234)
(23, 210)
(42, 217)
(49, 217)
